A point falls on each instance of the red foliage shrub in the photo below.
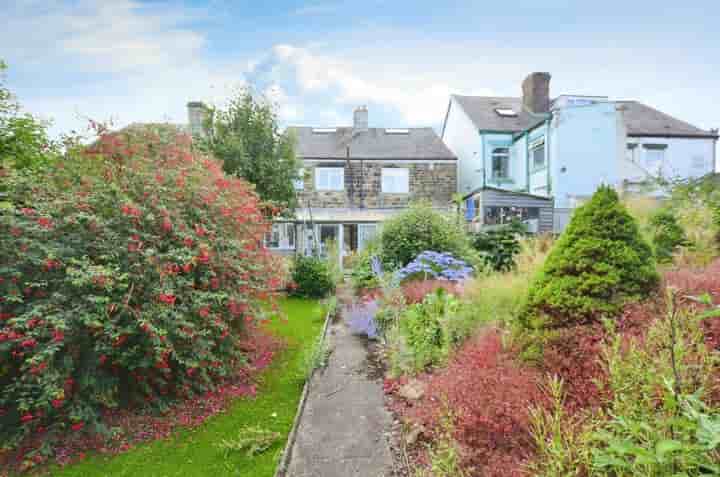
(489, 396)
(691, 281)
(700, 282)
(129, 274)
(414, 291)
(573, 355)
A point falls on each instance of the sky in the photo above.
(141, 61)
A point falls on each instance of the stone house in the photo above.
(356, 177)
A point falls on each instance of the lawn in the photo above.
(194, 452)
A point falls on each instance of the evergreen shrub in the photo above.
(599, 263)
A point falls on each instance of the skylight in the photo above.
(397, 131)
(324, 130)
(506, 112)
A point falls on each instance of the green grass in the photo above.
(194, 452)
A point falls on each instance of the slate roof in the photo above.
(642, 120)
(481, 111)
(375, 143)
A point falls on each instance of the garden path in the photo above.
(344, 429)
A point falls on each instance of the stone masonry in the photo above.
(427, 181)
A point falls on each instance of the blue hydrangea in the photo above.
(436, 265)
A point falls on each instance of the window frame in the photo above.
(494, 154)
(538, 145)
(655, 164)
(395, 173)
(329, 184)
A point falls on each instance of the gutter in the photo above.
(677, 136)
(547, 156)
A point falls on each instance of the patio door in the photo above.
(365, 233)
(329, 236)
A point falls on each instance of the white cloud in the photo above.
(119, 59)
(328, 80)
(111, 36)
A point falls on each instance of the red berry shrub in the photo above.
(489, 396)
(128, 274)
(415, 290)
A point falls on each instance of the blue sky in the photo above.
(132, 60)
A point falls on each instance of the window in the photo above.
(329, 178)
(506, 112)
(505, 215)
(537, 151)
(397, 131)
(654, 157)
(631, 152)
(500, 163)
(395, 180)
(328, 238)
(281, 236)
(324, 130)
(299, 183)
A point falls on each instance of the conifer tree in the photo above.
(599, 263)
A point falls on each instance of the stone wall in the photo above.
(363, 180)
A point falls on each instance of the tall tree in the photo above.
(246, 137)
(23, 138)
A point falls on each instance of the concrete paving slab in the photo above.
(344, 429)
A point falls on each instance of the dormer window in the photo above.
(506, 112)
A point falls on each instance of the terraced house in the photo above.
(356, 177)
(537, 158)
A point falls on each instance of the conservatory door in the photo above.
(329, 236)
(365, 233)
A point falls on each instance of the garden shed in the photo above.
(489, 206)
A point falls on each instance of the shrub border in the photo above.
(282, 467)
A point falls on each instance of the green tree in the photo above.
(667, 235)
(598, 264)
(421, 228)
(246, 137)
(24, 141)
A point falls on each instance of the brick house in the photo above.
(356, 177)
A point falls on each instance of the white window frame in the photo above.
(330, 178)
(395, 180)
(281, 236)
(654, 157)
(500, 156)
(535, 146)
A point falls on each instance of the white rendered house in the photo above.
(563, 149)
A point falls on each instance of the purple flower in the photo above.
(376, 266)
(361, 318)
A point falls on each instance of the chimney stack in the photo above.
(197, 112)
(536, 93)
(360, 119)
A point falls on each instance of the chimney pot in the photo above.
(360, 119)
(536, 93)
